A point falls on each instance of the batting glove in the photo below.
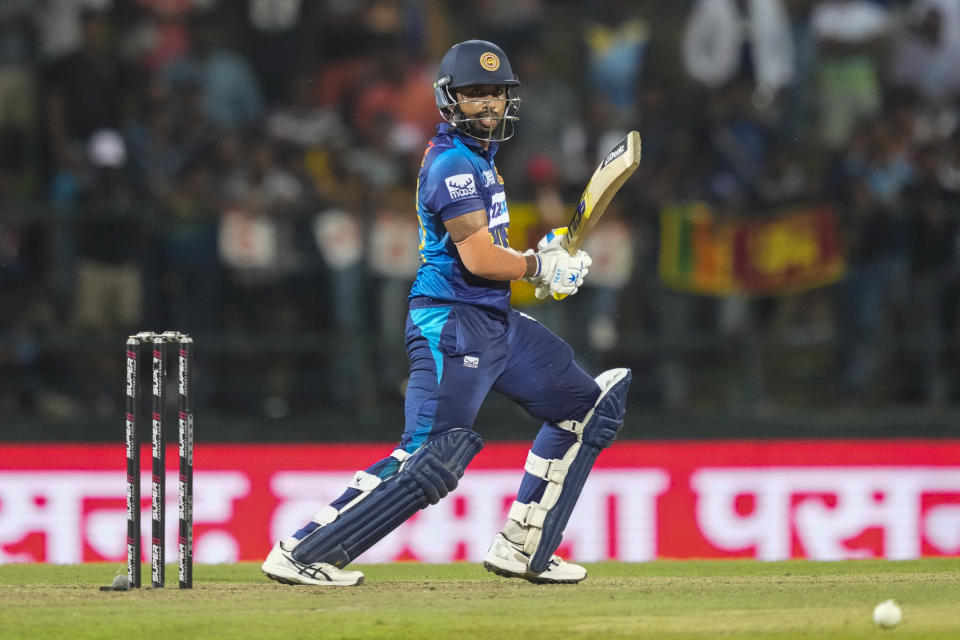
(551, 240)
(559, 274)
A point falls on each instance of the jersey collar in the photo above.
(445, 128)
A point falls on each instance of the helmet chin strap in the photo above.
(504, 129)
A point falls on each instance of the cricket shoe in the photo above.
(281, 566)
(508, 560)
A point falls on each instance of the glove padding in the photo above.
(560, 274)
(551, 240)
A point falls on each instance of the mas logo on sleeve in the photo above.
(461, 185)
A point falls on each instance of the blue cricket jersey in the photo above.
(458, 176)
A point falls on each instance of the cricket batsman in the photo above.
(464, 339)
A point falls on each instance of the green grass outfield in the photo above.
(663, 599)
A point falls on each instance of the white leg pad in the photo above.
(532, 516)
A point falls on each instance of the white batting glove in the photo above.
(551, 240)
(559, 274)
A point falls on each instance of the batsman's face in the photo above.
(485, 104)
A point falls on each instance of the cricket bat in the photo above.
(617, 166)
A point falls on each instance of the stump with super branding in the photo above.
(158, 343)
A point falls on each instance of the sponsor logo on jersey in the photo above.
(461, 185)
(497, 214)
(490, 61)
(488, 178)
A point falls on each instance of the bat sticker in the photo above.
(616, 153)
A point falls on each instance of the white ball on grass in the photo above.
(887, 614)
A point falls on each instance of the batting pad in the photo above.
(429, 474)
(545, 520)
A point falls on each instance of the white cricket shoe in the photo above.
(508, 560)
(281, 566)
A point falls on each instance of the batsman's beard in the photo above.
(488, 127)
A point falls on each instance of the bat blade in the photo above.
(618, 165)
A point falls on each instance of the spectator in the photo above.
(276, 34)
(393, 261)
(25, 311)
(925, 56)
(261, 199)
(934, 233)
(739, 142)
(849, 163)
(349, 37)
(785, 179)
(301, 122)
(258, 247)
(391, 106)
(849, 35)
(799, 98)
(18, 107)
(231, 95)
(61, 24)
(190, 267)
(159, 34)
(109, 290)
(156, 157)
(616, 44)
(726, 39)
(84, 91)
(873, 248)
(339, 235)
(511, 23)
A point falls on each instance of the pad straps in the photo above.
(533, 515)
(363, 482)
(544, 521)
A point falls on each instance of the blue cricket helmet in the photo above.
(475, 62)
(471, 63)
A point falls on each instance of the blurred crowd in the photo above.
(244, 170)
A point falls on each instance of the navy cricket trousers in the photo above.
(459, 353)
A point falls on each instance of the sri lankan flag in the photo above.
(785, 252)
(696, 250)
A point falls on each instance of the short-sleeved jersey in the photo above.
(458, 176)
